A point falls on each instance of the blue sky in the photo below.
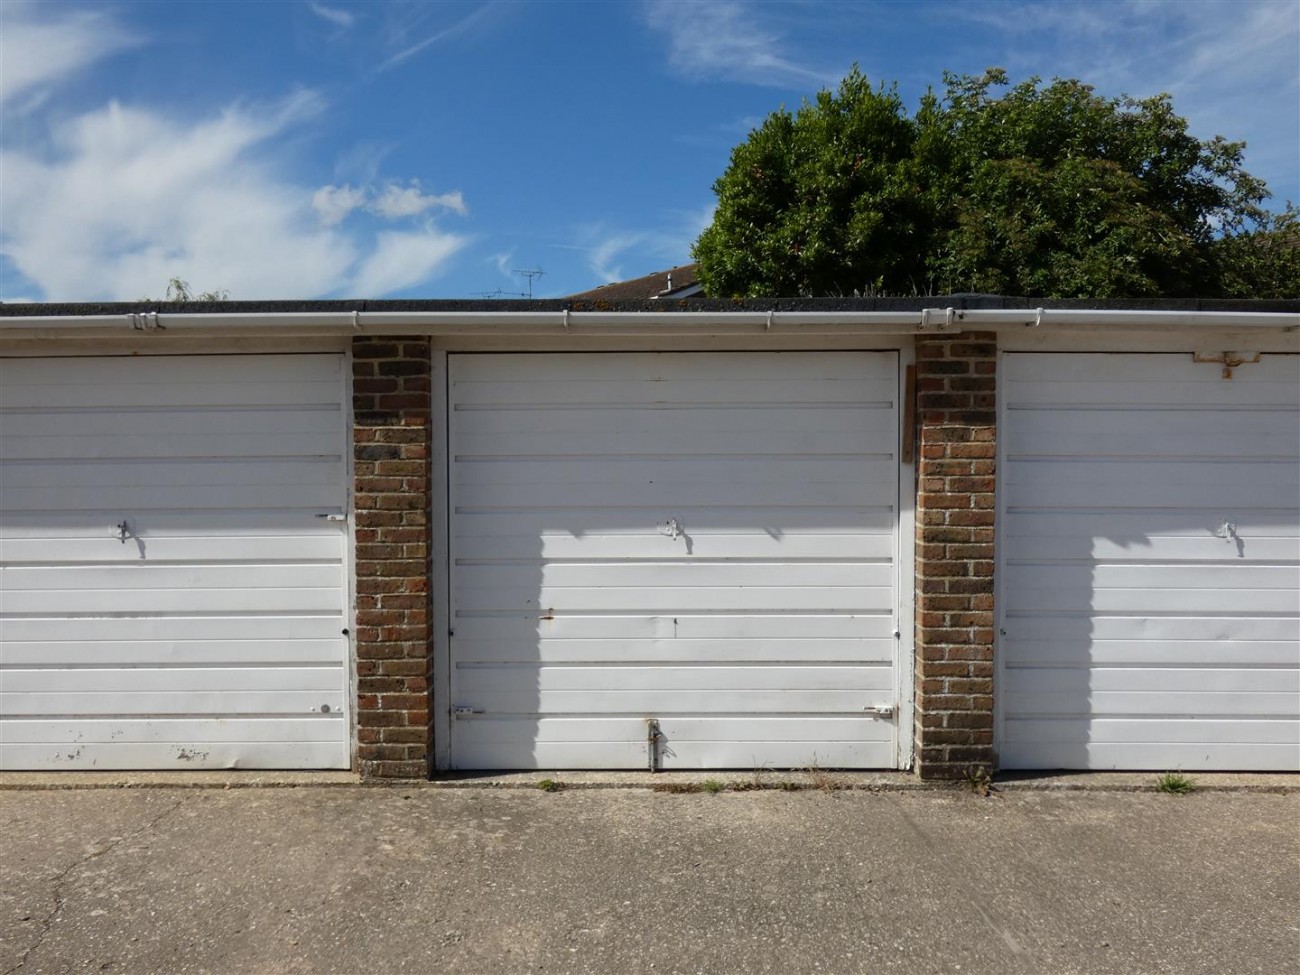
(399, 149)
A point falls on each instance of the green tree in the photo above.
(1028, 189)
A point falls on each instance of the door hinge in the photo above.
(465, 712)
(881, 711)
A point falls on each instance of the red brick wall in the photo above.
(391, 448)
(956, 415)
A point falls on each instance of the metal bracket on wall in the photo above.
(652, 736)
(1229, 360)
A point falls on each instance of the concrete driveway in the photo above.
(482, 881)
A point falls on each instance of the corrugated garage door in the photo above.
(707, 540)
(170, 594)
(1150, 588)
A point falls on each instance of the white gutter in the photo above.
(627, 323)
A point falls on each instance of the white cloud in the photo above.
(407, 201)
(336, 16)
(402, 259)
(393, 202)
(725, 39)
(127, 199)
(37, 52)
(333, 203)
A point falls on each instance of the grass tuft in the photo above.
(1175, 784)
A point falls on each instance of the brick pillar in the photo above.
(391, 447)
(956, 412)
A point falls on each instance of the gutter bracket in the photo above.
(769, 321)
(356, 319)
(1038, 319)
(146, 321)
(565, 314)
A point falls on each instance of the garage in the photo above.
(674, 560)
(173, 553)
(1149, 581)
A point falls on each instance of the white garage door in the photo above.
(171, 595)
(1150, 552)
(705, 540)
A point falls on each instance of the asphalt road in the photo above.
(381, 880)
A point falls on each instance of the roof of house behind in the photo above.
(660, 284)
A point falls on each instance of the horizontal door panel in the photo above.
(638, 392)
(108, 602)
(1085, 651)
(326, 625)
(177, 755)
(201, 548)
(1039, 577)
(1154, 731)
(191, 703)
(1177, 601)
(530, 629)
(668, 499)
(25, 395)
(1032, 682)
(484, 682)
(175, 474)
(739, 369)
(315, 495)
(1199, 704)
(70, 730)
(668, 600)
(173, 680)
(508, 577)
(622, 649)
(684, 471)
(1032, 627)
(145, 576)
(1103, 370)
(1204, 756)
(18, 447)
(148, 653)
(167, 420)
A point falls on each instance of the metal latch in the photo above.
(465, 712)
(332, 517)
(881, 711)
(672, 528)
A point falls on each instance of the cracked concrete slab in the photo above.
(606, 880)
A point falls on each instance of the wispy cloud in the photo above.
(41, 47)
(614, 254)
(337, 16)
(726, 39)
(460, 27)
(403, 259)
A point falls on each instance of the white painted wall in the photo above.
(1137, 631)
(211, 637)
(756, 637)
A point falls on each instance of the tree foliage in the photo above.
(1031, 189)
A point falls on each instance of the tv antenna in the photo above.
(529, 274)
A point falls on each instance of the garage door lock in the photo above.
(881, 711)
(465, 712)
